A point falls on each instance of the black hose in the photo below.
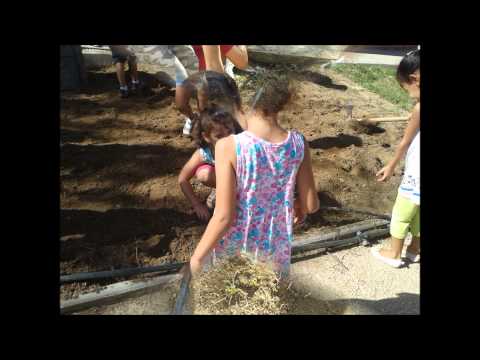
(79, 277)
(343, 231)
(311, 242)
(381, 216)
(367, 235)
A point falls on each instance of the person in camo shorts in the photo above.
(189, 59)
(184, 62)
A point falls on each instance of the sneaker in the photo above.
(211, 199)
(135, 86)
(187, 128)
(414, 258)
(396, 263)
(229, 69)
(124, 93)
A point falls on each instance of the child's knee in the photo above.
(415, 226)
(120, 68)
(181, 102)
(132, 65)
(206, 175)
(181, 105)
(202, 176)
(405, 216)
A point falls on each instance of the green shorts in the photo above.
(405, 218)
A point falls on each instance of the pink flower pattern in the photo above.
(266, 175)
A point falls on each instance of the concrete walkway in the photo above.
(352, 281)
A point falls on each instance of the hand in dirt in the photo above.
(185, 270)
(385, 173)
(202, 212)
(298, 215)
(299, 220)
(195, 266)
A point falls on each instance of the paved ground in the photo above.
(346, 282)
(353, 282)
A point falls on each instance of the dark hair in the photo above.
(409, 64)
(220, 89)
(274, 93)
(206, 120)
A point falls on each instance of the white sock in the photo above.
(135, 81)
(123, 87)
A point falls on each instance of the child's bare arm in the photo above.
(307, 193)
(184, 181)
(410, 132)
(225, 203)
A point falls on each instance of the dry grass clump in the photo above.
(238, 286)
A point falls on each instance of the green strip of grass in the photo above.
(378, 79)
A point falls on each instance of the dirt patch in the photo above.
(154, 302)
(120, 158)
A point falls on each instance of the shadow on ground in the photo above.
(77, 105)
(402, 304)
(106, 126)
(99, 82)
(367, 129)
(322, 80)
(88, 100)
(340, 141)
(329, 301)
(109, 239)
(327, 219)
(129, 163)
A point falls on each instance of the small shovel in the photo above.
(376, 120)
(365, 120)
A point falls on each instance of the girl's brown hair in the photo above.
(213, 115)
(219, 89)
(274, 94)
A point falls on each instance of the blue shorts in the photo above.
(180, 72)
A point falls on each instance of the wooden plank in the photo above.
(291, 55)
(369, 59)
(115, 292)
(310, 54)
